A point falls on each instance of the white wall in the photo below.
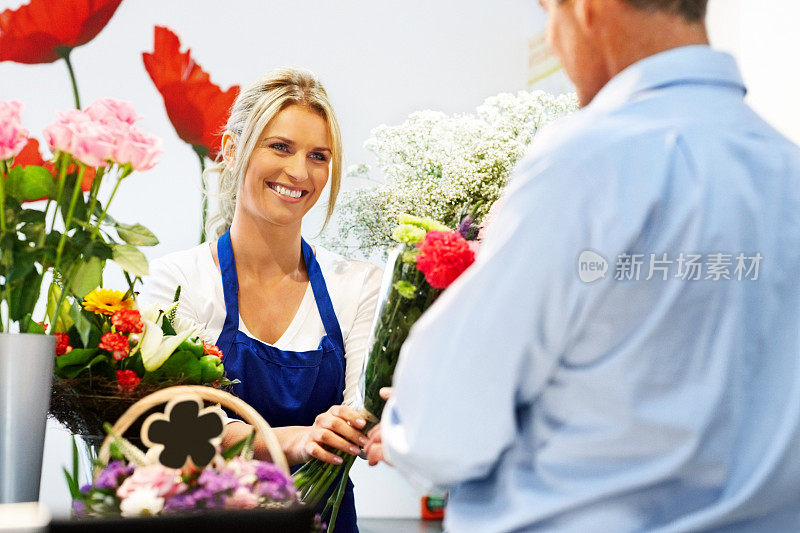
(763, 37)
(380, 60)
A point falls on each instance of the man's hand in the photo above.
(374, 448)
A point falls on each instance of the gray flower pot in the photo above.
(26, 374)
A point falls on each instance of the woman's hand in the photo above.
(337, 428)
(374, 448)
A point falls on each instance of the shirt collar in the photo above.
(686, 65)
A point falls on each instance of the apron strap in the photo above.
(230, 287)
(323, 299)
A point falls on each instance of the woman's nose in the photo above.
(296, 167)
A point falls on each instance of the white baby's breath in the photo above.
(444, 166)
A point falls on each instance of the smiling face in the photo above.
(288, 169)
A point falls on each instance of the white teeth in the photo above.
(287, 192)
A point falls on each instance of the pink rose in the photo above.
(61, 135)
(111, 109)
(242, 498)
(166, 482)
(93, 144)
(245, 471)
(13, 136)
(139, 148)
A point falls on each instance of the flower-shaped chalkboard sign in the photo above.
(185, 431)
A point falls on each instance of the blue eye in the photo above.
(318, 156)
(280, 147)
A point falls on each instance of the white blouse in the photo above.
(353, 287)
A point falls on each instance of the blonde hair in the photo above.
(253, 109)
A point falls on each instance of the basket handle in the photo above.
(210, 394)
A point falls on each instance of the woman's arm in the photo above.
(337, 428)
(358, 336)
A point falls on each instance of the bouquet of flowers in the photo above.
(118, 355)
(428, 259)
(443, 166)
(232, 481)
(185, 468)
(72, 235)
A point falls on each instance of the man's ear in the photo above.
(228, 149)
(586, 13)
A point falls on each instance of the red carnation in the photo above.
(115, 343)
(127, 321)
(45, 30)
(212, 349)
(443, 256)
(62, 344)
(127, 380)
(197, 108)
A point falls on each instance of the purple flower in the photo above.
(109, 477)
(180, 503)
(86, 488)
(78, 508)
(466, 225)
(217, 481)
(269, 472)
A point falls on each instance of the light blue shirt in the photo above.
(549, 400)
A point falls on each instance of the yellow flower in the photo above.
(106, 301)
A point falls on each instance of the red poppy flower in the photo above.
(36, 32)
(127, 380)
(30, 155)
(197, 108)
(443, 256)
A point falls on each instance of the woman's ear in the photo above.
(228, 149)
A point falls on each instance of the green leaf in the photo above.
(78, 356)
(131, 259)
(88, 277)
(235, 449)
(71, 372)
(82, 324)
(136, 235)
(182, 364)
(13, 182)
(61, 320)
(37, 183)
(27, 325)
(23, 296)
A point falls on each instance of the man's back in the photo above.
(666, 393)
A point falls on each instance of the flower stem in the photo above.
(68, 220)
(3, 172)
(204, 207)
(125, 174)
(93, 198)
(64, 52)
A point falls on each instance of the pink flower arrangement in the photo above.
(13, 137)
(154, 489)
(102, 134)
(166, 482)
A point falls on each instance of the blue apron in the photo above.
(287, 388)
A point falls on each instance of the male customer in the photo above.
(625, 353)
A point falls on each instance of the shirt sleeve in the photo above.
(489, 344)
(358, 337)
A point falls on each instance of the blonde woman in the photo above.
(291, 321)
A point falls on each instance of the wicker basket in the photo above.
(192, 392)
